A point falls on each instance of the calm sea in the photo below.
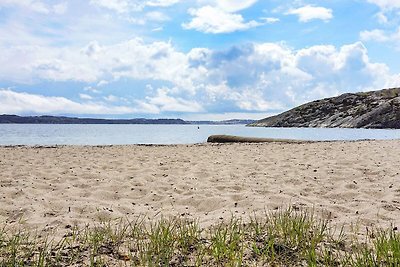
(106, 134)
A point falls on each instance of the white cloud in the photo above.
(91, 89)
(127, 6)
(163, 101)
(214, 20)
(112, 98)
(253, 100)
(227, 5)
(234, 5)
(382, 18)
(386, 4)
(102, 83)
(36, 6)
(60, 8)
(263, 77)
(119, 6)
(347, 69)
(389, 11)
(23, 103)
(157, 16)
(374, 35)
(133, 59)
(92, 49)
(162, 3)
(392, 38)
(393, 81)
(308, 13)
(85, 97)
(152, 16)
(270, 20)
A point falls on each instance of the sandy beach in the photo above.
(347, 182)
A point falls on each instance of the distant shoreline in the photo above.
(15, 119)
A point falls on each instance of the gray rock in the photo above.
(375, 109)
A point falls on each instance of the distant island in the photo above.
(72, 120)
(374, 110)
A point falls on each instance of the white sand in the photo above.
(353, 182)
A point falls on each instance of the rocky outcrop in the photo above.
(375, 109)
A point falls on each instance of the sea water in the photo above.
(111, 134)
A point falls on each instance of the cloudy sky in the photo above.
(193, 59)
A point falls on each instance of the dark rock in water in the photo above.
(375, 109)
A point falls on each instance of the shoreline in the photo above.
(267, 140)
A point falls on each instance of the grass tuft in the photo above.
(285, 237)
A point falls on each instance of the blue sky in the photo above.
(193, 59)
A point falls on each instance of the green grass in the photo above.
(280, 238)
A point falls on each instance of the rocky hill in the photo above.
(375, 109)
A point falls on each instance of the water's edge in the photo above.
(106, 134)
